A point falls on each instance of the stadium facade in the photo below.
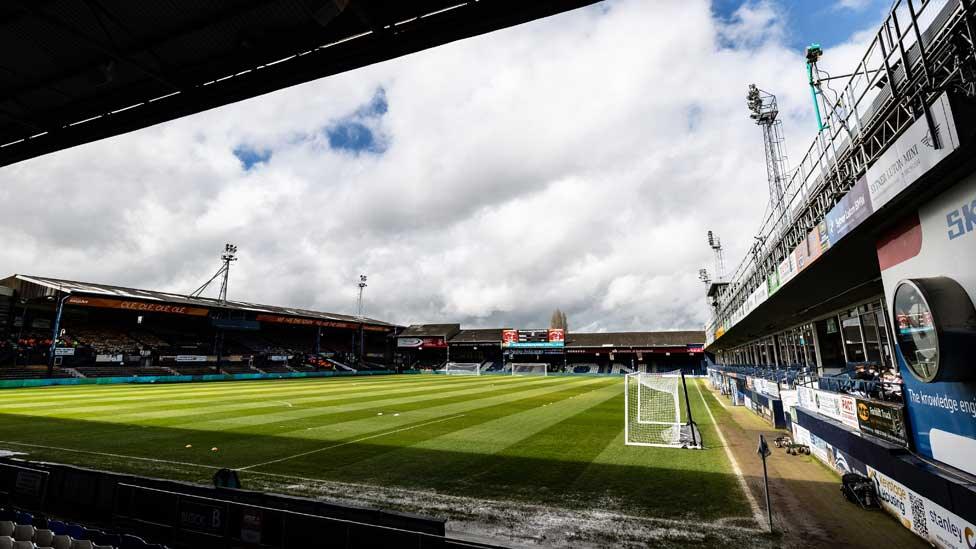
(107, 330)
(852, 321)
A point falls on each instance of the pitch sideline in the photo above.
(756, 512)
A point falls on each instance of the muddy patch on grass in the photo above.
(519, 524)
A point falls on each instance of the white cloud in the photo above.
(575, 162)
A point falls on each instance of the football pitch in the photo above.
(439, 445)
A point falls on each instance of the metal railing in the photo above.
(923, 48)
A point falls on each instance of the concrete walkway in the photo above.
(808, 508)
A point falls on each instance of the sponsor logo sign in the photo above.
(931, 521)
(64, 351)
(883, 420)
(409, 342)
(190, 358)
(849, 212)
(913, 154)
(139, 306)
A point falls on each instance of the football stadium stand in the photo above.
(851, 322)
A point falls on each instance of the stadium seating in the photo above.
(585, 368)
(238, 369)
(29, 372)
(122, 371)
(196, 370)
(20, 530)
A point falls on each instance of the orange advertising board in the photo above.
(137, 306)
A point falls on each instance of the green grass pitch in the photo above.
(538, 440)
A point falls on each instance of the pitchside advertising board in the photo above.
(928, 262)
(534, 339)
(921, 515)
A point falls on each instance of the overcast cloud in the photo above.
(575, 162)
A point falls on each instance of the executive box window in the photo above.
(830, 342)
(853, 338)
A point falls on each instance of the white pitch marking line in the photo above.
(106, 454)
(756, 512)
(349, 442)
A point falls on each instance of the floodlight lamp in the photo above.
(711, 239)
(813, 53)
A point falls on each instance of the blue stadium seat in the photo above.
(132, 542)
(57, 527)
(76, 531)
(24, 518)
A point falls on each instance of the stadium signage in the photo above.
(913, 154)
(421, 342)
(190, 358)
(924, 517)
(297, 321)
(140, 306)
(536, 338)
(64, 351)
(883, 420)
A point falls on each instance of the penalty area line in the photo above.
(354, 441)
(757, 513)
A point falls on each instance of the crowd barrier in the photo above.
(47, 382)
(187, 515)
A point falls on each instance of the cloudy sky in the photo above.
(575, 162)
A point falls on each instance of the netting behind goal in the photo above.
(529, 369)
(653, 411)
(463, 368)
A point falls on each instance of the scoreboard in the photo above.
(535, 338)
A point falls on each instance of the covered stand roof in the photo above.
(73, 71)
(431, 330)
(489, 335)
(50, 286)
(636, 339)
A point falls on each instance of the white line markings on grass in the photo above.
(106, 454)
(349, 442)
(756, 512)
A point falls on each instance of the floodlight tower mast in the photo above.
(764, 111)
(229, 255)
(362, 319)
(715, 243)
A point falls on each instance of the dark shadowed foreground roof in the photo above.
(73, 71)
(36, 286)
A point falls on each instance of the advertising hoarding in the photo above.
(942, 413)
(884, 420)
(913, 154)
(921, 515)
(850, 211)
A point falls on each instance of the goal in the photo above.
(463, 368)
(529, 369)
(653, 411)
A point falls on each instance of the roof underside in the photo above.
(73, 71)
(104, 290)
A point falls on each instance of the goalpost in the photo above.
(530, 369)
(463, 368)
(653, 412)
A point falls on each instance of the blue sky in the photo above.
(827, 22)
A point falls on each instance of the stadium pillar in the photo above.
(54, 335)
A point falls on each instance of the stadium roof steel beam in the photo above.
(74, 71)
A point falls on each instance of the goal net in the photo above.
(529, 369)
(653, 412)
(463, 368)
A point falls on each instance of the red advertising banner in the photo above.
(138, 306)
